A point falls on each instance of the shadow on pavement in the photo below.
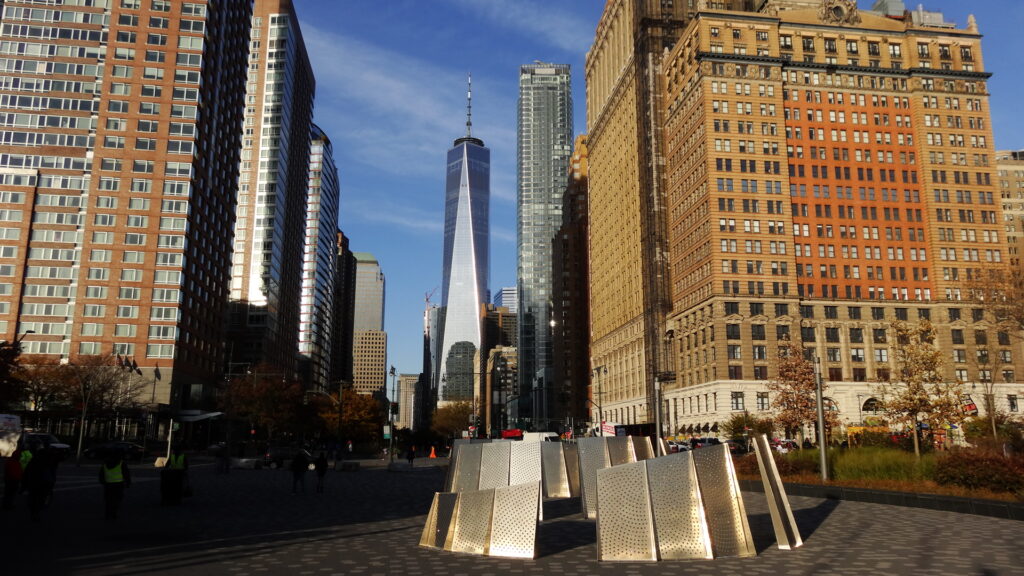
(562, 535)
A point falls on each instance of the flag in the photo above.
(120, 362)
(156, 372)
(135, 368)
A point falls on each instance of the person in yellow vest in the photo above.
(115, 478)
(172, 478)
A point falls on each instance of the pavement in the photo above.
(369, 522)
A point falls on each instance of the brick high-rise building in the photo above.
(829, 171)
(1010, 171)
(270, 225)
(119, 162)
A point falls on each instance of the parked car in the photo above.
(49, 441)
(674, 446)
(701, 442)
(278, 457)
(128, 450)
(736, 447)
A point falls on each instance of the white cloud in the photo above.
(539, 20)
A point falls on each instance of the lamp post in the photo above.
(822, 450)
(598, 370)
(657, 410)
(391, 411)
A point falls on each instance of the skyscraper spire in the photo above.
(469, 105)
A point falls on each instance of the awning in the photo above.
(706, 428)
(195, 417)
(714, 427)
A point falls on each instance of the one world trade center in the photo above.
(466, 259)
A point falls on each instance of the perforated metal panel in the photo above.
(472, 531)
(620, 450)
(642, 448)
(662, 447)
(723, 505)
(437, 530)
(556, 483)
(467, 473)
(494, 465)
(787, 533)
(514, 521)
(625, 526)
(453, 465)
(681, 529)
(572, 468)
(525, 463)
(593, 457)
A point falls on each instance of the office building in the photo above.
(507, 298)
(407, 400)
(829, 172)
(629, 287)
(369, 347)
(544, 144)
(319, 266)
(570, 295)
(270, 225)
(1010, 171)
(118, 195)
(466, 259)
(343, 328)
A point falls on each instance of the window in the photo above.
(735, 372)
(732, 308)
(807, 334)
(957, 335)
(831, 312)
(757, 309)
(782, 309)
(735, 352)
(877, 313)
(878, 335)
(1011, 403)
(757, 332)
(857, 354)
(732, 331)
(762, 401)
(737, 401)
(854, 312)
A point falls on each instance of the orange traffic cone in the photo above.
(432, 453)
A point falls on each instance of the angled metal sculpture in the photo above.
(787, 534)
(556, 480)
(494, 465)
(593, 456)
(467, 468)
(471, 531)
(572, 468)
(514, 521)
(625, 524)
(437, 532)
(662, 447)
(723, 503)
(642, 449)
(681, 530)
(620, 450)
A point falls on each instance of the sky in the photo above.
(391, 90)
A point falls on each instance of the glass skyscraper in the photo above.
(466, 260)
(545, 133)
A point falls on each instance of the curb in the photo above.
(975, 506)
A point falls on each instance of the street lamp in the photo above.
(598, 370)
(391, 410)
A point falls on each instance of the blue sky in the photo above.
(391, 96)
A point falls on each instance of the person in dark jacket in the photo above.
(299, 466)
(38, 479)
(115, 478)
(173, 477)
(13, 472)
(320, 465)
(411, 455)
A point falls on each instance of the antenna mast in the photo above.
(469, 106)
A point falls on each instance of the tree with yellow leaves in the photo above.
(795, 392)
(918, 391)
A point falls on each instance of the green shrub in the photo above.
(976, 469)
(877, 463)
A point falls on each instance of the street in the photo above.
(369, 522)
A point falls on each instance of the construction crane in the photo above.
(428, 295)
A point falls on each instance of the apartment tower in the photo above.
(830, 171)
(270, 225)
(118, 195)
(544, 145)
(466, 259)
(319, 266)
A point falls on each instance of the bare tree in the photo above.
(103, 381)
(919, 391)
(43, 384)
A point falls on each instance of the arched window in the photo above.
(871, 406)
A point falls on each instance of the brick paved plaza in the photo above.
(369, 522)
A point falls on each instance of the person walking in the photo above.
(38, 478)
(173, 478)
(115, 478)
(411, 455)
(299, 466)
(14, 469)
(320, 466)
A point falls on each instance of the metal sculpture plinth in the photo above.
(495, 522)
(787, 535)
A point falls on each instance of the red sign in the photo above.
(512, 433)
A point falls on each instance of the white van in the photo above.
(10, 432)
(540, 437)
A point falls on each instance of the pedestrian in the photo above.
(14, 469)
(299, 466)
(320, 465)
(115, 478)
(39, 477)
(411, 455)
(173, 478)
